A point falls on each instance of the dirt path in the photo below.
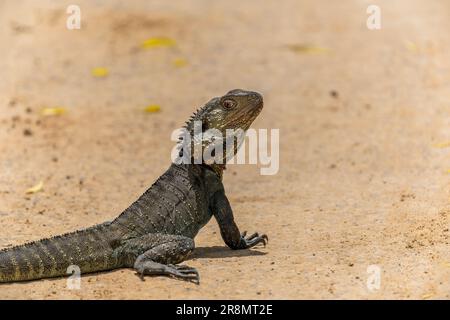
(362, 181)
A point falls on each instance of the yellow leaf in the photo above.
(411, 46)
(100, 72)
(307, 49)
(152, 108)
(158, 42)
(442, 145)
(427, 296)
(448, 171)
(53, 111)
(36, 188)
(180, 62)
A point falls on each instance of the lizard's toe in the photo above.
(255, 235)
(184, 272)
(256, 239)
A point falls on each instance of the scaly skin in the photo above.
(156, 232)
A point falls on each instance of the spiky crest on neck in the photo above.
(200, 115)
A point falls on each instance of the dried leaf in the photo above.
(180, 62)
(307, 49)
(411, 46)
(158, 42)
(428, 48)
(53, 111)
(442, 145)
(36, 188)
(100, 72)
(427, 296)
(152, 108)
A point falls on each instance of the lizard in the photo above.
(155, 234)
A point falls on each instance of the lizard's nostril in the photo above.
(256, 97)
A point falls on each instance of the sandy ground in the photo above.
(361, 180)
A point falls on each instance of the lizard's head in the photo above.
(235, 111)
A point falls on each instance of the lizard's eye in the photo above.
(228, 103)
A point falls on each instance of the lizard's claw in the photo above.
(182, 272)
(254, 239)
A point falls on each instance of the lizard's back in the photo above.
(177, 203)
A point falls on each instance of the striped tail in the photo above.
(88, 249)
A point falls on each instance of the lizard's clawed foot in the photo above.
(254, 239)
(184, 272)
(181, 272)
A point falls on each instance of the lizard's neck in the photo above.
(218, 169)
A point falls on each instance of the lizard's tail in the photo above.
(47, 258)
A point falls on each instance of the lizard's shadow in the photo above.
(215, 252)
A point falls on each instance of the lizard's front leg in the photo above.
(158, 254)
(228, 228)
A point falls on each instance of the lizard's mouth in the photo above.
(245, 119)
(255, 110)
